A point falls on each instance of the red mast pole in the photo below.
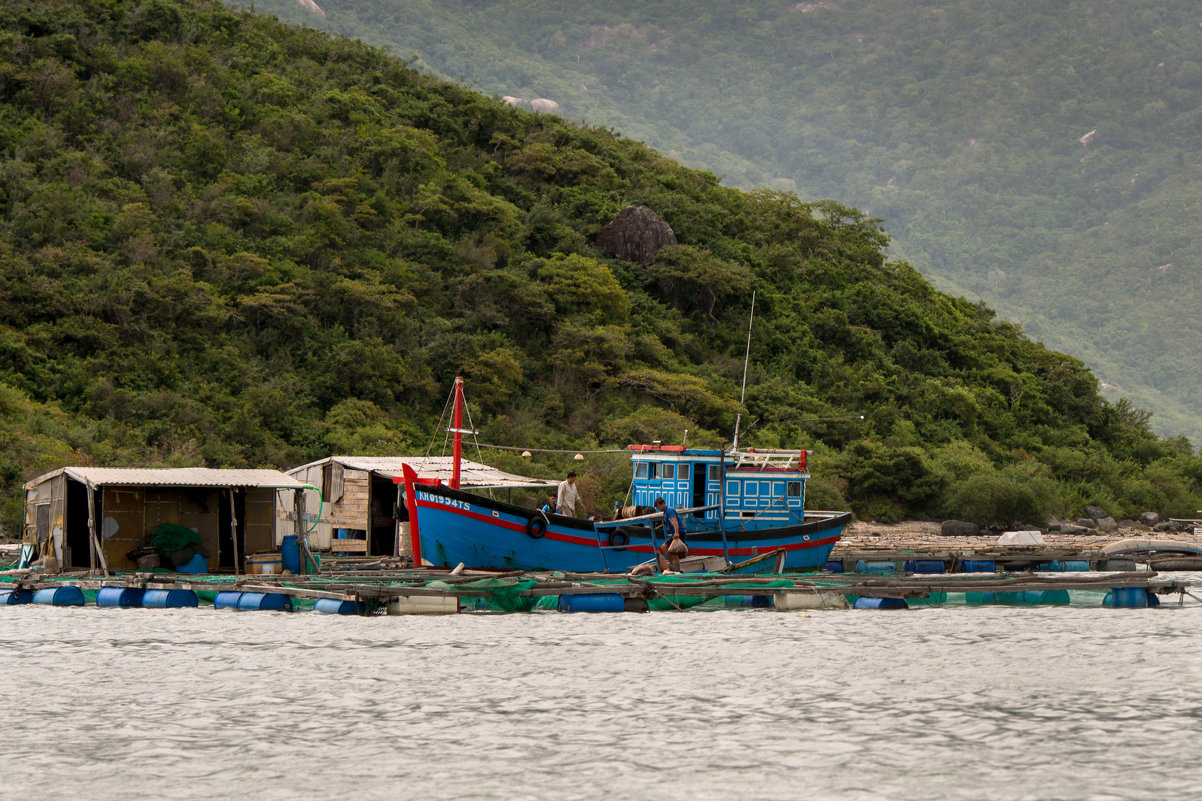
(458, 430)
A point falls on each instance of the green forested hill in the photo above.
(229, 242)
(1041, 156)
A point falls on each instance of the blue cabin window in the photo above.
(640, 470)
(715, 472)
(669, 471)
(682, 472)
(794, 489)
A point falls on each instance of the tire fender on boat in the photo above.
(618, 537)
(536, 527)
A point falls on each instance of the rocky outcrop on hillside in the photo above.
(635, 235)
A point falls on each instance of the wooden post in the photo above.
(298, 511)
(234, 531)
(97, 549)
(302, 536)
(396, 523)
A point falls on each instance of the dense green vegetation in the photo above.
(229, 242)
(957, 123)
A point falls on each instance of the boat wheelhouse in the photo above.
(751, 489)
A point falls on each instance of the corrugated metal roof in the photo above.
(175, 477)
(471, 474)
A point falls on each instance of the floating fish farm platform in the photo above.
(919, 553)
(370, 592)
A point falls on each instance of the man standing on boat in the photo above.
(566, 500)
(673, 546)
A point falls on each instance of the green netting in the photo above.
(505, 594)
(934, 599)
(170, 537)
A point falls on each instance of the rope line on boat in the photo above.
(519, 449)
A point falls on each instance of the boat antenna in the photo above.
(743, 392)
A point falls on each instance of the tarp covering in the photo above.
(471, 474)
(1021, 538)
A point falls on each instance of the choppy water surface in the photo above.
(952, 703)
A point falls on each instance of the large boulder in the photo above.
(636, 235)
(959, 528)
(1149, 518)
(1095, 512)
(1107, 525)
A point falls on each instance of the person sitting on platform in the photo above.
(549, 507)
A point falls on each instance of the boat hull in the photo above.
(450, 527)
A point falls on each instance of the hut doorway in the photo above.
(77, 544)
(381, 536)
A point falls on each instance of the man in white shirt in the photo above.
(566, 500)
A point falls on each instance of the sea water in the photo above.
(938, 703)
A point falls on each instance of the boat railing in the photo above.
(626, 521)
(776, 459)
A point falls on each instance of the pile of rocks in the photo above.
(1095, 523)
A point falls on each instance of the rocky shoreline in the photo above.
(933, 535)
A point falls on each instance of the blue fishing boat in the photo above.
(737, 505)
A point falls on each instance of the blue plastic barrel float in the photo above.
(14, 597)
(833, 566)
(599, 602)
(120, 596)
(925, 566)
(864, 602)
(227, 599)
(169, 599)
(1019, 598)
(1055, 598)
(59, 596)
(751, 601)
(1130, 598)
(265, 601)
(290, 558)
(335, 606)
(863, 566)
(978, 566)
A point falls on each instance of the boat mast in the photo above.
(743, 392)
(457, 448)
